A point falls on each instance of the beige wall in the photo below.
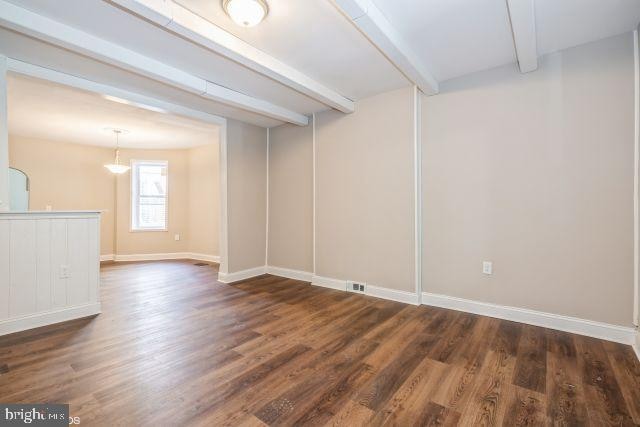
(54, 169)
(291, 197)
(535, 173)
(204, 199)
(246, 195)
(72, 176)
(365, 192)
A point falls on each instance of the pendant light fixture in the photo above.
(116, 167)
(246, 13)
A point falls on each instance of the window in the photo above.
(148, 195)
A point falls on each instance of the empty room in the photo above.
(319, 212)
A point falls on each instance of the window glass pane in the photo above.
(152, 212)
(149, 196)
(153, 180)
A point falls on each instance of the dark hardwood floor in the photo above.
(175, 347)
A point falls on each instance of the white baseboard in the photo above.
(605, 331)
(304, 276)
(31, 321)
(636, 346)
(393, 295)
(204, 257)
(160, 257)
(326, 282)
(372, 291)
(241, 275)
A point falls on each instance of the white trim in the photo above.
(372, 291)
(392, 294)
(134, 186)
(266, 234)
(43, 73)
(241, 275)
(160, 257)
(636, 154)
(327, 282)
(151, 257)
(29, 215)
(313, 207)
(417, 195)
(304, 276)
(522, 18)
(204, 257)
(29, 23)
(31, 321)
(574, 325)
(224, 217)
(178, 19)
(636, 346)
(372, 23)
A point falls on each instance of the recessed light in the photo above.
(246, 13)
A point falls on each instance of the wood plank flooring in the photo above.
(175, 347)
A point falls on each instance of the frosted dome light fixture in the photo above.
(246, 13)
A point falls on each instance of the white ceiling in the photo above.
(568, 23)
(313, 37)
(52, 112)
(458, 37)
(451, 38)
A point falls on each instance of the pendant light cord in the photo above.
(117, 132)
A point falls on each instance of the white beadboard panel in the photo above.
(33, 248)
(43, 264)
(5, 278)
(58, 258)
(22, 273)
(78, 261)
(94, 253)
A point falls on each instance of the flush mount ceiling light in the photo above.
(246, 13)
(116, 167)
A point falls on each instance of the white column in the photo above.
(4, 138)
(224, 217)
(636, 184)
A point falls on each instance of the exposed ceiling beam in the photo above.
(522, 15)
(136, 99)
(374, 25)
(198, 30)
(48, 30)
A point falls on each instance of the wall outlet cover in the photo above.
(64, 272)
(487, 267)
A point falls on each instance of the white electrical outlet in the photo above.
(487, 267)
(176, 237)
(64, 272)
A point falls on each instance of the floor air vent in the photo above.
(356, 287)
(201, 264)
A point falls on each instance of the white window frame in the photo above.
(135, 188)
